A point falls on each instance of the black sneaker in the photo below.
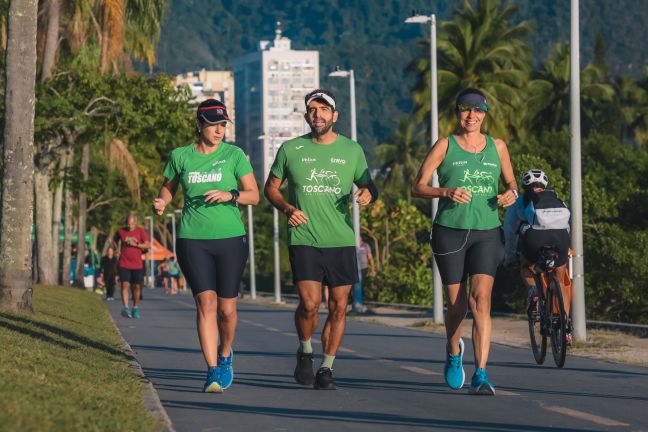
(304, 370)
(324, 379)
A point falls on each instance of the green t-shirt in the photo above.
(477, 172)
(320, 178)
(199, 173)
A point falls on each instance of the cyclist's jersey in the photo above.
(199, 173)
(320, 178)
(541, 211)
(477, 172)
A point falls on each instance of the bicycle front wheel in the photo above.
(557, 321)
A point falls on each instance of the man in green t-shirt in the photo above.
(320, 169)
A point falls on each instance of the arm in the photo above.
(168, 189)
(372, 268)
(421, 187)
(248, 195)
(271, 190)
(511, 225)
(507, 198)
(366, 194)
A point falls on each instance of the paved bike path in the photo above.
(390, 379)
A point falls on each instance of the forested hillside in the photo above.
(370, 37)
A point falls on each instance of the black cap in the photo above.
(212, 112)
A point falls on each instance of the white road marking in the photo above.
(273, 329)
(289, 334)
(346, 350)
(603, 421)
(419, 370)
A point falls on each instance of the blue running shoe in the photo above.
(136, 312)
(212, 384)
(226, 375)
(454, 372)
(125, 312)
(479, 385)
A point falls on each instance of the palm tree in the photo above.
(633, 101)
(399, 159)
(478, 48)
(18, 166)
(550, 96)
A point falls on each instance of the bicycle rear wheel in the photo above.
(557, 321)
(536, 333)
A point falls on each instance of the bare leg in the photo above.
(137, 291)
(227, 319)
(481, 287)
(206, 302)
(457, 304)
(310, 297)
(333, 331)
(125, 291)
(561, 274)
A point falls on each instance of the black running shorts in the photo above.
(132, 276)
(213, 265)
(459, 253)
(335, 266)
(533, 240)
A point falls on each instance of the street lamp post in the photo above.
(151, 279)
(580, 329)
(175, 255)
(275, 230)
(357, 288)
(173, 232)
(434, 118)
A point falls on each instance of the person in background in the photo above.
(132, 241)
(108, 269)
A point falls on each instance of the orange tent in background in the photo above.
(159, 252)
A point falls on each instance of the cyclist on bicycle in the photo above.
(538, 219)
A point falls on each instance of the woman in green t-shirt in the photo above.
(212, 244)
(466, 235)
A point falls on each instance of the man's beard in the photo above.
(323, 131)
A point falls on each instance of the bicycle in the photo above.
(548, 319)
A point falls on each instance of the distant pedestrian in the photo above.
(132, 241)
(174, 273)
(163, 271)
(320, 169)
(108, 270)
(212, 244)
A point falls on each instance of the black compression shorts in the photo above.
(334, 266)
(213, 265)
(533, 240)
(459, 253)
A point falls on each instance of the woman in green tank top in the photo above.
(466, 235)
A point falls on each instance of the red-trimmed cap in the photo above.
(212, 112)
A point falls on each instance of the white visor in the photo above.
(329, 100)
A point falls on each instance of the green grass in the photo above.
(63, 368)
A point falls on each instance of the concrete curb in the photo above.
(151, 399)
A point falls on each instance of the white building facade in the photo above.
(270, 88)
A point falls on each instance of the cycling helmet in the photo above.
(535, 176)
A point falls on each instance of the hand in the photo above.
(506, 199)
(158, 206)
(372, 273)
(217, 196)
(296, 217)
(459, 195)
(363, 196)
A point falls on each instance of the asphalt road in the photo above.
(389, 379)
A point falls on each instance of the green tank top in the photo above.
(477, 172)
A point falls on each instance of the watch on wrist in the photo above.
(235, 195)
(515, 192)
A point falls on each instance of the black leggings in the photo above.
(459, 253)
(213, 265)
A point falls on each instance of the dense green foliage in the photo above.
(62, 373)
(371, 38)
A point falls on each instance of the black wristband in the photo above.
(235, 195)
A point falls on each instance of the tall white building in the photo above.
(270, 88)
(205, 84)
